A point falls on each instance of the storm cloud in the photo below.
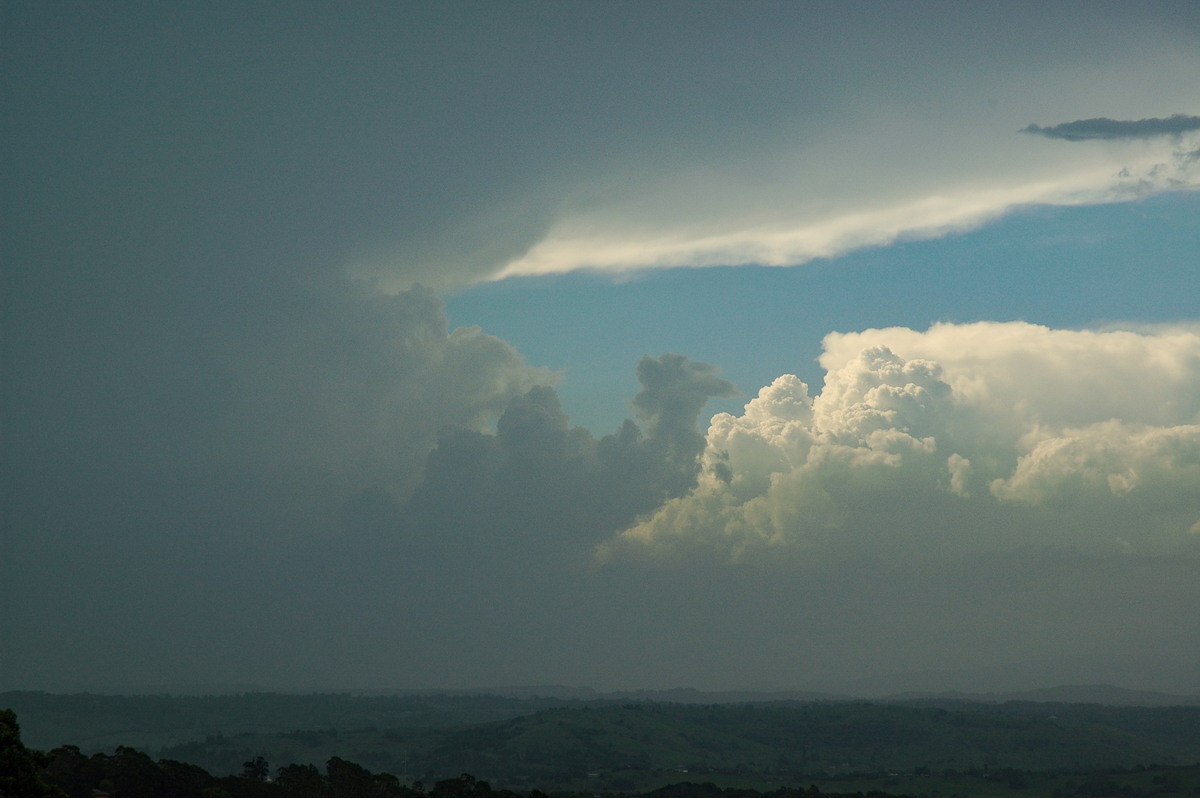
(246, 443)
(1110, 129)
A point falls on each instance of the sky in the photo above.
(843, 346)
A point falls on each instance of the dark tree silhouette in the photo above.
(19, 766)
(256, 769)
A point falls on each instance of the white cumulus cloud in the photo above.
(959, 440)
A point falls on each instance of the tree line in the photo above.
(66, 772)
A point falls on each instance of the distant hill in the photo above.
(99, 722)
(676, 695)
(1065, 694)
(1071, 694)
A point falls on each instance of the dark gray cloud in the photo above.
(537, 478)
(1108, 129)
(306, 392)
(196, 456)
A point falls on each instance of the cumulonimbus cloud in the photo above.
(1104, 128)
(959, 440)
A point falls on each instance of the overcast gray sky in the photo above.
(380, 346)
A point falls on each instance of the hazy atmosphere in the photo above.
(819, 346)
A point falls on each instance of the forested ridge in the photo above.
(406, 748)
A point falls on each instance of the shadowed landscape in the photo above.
(625, 744)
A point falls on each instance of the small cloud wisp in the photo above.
(1107, 129)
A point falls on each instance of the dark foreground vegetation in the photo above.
(925, 749)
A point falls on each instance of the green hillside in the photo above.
(791, 743)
